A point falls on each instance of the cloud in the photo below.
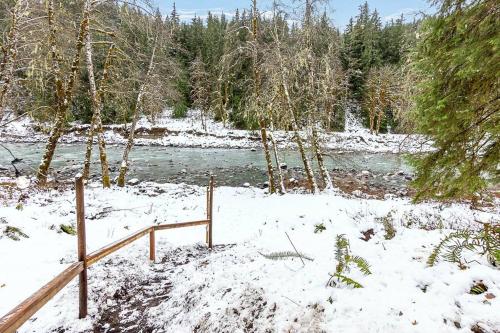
(407, 12)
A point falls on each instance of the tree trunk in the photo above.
(63, 92)
(307, 166)
(372, 121)
(380, 115)
(278, 163)
(327, 180)
(267, 153)
(295, 126)
(97, 105)
(257, 83)
(9, 56)
(313, 111)
(93, 128)
(224, 105)
(135, 118)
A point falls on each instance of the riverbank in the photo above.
(235, 287)
(189, 132)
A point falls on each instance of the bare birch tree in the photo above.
(281, 180)
(136, 113)
(97, 106)
(283, 79)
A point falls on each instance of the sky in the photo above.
(339, 10)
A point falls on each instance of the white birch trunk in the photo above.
(327, 180)
(257, 83)
(135, 118)
(278, 163)
(307, 165)
(93, 126)
(96, 125)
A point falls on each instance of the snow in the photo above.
(233, 288)
(189, 132)
(23, 182)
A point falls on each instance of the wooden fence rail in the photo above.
(21, 313)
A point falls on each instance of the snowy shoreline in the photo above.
(235, 286)
(188, 133)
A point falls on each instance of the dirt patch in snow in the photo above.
(129, 306)
(252, 313)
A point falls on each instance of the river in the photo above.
(233, 167)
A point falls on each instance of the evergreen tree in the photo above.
(459, 104)
(362, 48)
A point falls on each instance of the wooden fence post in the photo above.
(210, 212)
(82, 246)
(152, 251)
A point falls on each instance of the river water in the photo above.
(233, 167)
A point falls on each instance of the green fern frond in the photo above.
(362, 264)
(450, 248)
(457, 246)
(389, 230)
(444, 244)
(347, 280)
(494, 258)
(284, 255)
(344, 261)
(341, 247)
(436, 252)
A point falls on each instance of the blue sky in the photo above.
(340, 10)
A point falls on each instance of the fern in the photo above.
(344, 261)
(284, 255)
(450, 248)
(389, 230)
(69, 229)
(318, 228)
(436, 252)
(341, 252)
(14, 233)
(494, 258)
(341, 247)
(344, 279)
(362, 264)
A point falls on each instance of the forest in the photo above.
(345, 159)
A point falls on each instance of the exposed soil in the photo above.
(129, 307)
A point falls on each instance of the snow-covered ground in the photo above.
(234, 288)
(188, 132)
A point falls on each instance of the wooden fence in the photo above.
(21, 313)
